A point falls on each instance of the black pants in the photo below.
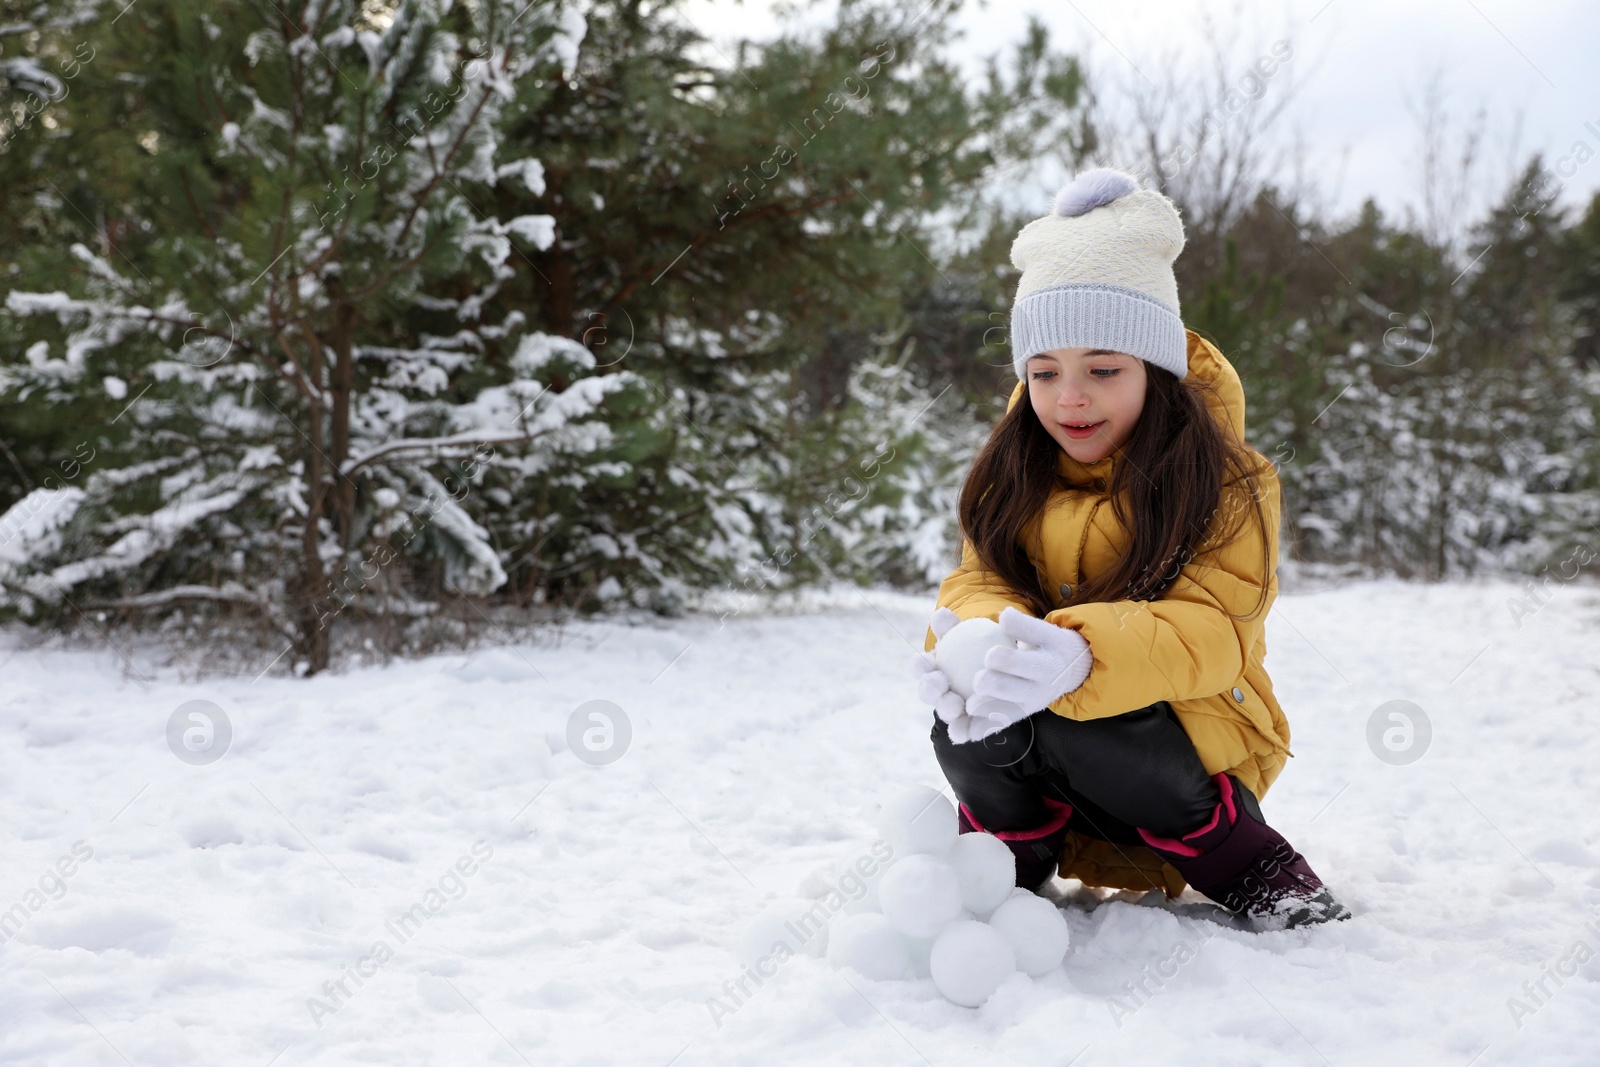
(1138, 769)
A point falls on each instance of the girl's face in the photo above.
(1072, 387)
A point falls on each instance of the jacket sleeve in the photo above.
(974, 592)
(1185, 645)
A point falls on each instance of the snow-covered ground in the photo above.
(535, 908)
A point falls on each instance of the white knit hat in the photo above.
(1097, 273)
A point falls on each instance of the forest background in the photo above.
(365, 328)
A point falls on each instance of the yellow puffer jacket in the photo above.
(1182, 648)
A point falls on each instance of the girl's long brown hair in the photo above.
(1166, 491)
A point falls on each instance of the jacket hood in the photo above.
(1225, 402)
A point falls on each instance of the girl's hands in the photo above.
(1029, 678)
(1015, 682)
(932, 685)
(986, 716)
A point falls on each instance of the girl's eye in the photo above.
(1101, 373)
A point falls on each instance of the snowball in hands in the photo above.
(918, 819)
(1036, 931)
(970, 960)
(960, 651)
(920, 895)
(1047, 662)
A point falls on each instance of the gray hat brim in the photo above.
(1098, 316)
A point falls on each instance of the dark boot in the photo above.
(1245, 865)
(1038, 851)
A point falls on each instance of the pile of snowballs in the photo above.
(945, 907)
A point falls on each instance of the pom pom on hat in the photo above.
(1092, 189)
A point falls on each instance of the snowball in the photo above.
(969, 961)
(960, 651)
(789, 927)
(869, 944)
(922, 947)
(987, 870)
(918, 819)
(1035, 929)
(920, 895)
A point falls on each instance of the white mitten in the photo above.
(932, 685)
(961, 728)
(988, 715)
(1032, 678)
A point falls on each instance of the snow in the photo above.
(31, 526)
(146, 535)
(421, 833)
(572, 28)
(537, 230)
(788, 921)
(868, 943)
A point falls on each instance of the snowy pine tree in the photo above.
(315, 396)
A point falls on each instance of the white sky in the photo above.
(1356, 63)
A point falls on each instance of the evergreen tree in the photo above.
(300, 333)
(358, 310)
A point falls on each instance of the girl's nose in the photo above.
(1072, 398)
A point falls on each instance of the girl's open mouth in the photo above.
(1078, 432)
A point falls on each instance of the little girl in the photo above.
(1119, 527)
